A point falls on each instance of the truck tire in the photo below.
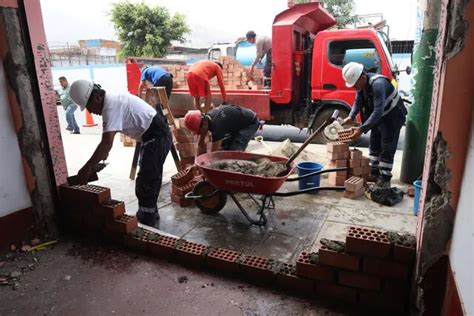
(329, 134)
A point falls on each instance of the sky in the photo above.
(67, 21)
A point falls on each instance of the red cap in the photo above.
(192, 121)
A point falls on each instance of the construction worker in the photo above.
(128, 114)
(383, 114)
(231, 127)
(264, 48)
(68, 106)
(198, 82)
(158, 77)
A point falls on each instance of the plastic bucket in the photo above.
(306, 167)
(417, 185)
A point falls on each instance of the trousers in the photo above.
(383, 142)
(240, 140)
(155, 145)
(70, 118)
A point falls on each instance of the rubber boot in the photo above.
(148, 216)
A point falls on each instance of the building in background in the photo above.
(87, 52)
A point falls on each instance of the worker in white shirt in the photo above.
(264, 49)
(128, 114)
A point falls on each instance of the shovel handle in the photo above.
(312, 136)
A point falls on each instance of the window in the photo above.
(361, 51)
(231, 51)
(215, 54)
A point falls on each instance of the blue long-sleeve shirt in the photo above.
(153, 74)
(372, 99)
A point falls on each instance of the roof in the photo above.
(310, 16)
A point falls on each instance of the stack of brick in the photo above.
(90, 208)
(236, 76)
(182, 183)
(358, 165)
(368, 270)
(354, 188)
(185, 143)
(338, 155)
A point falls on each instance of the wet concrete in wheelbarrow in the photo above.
(297, 223)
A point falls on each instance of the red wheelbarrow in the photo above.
(210, 195)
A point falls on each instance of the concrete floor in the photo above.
(297, 223)
(87, 279)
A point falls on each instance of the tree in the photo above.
(341, 10)
(146, 31)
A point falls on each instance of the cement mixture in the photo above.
(261, 167)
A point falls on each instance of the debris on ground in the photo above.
(334, 245)
(183, 279)
(407, 240)
(287, 149)
(261, 167)
(14, 265)
(385, 196)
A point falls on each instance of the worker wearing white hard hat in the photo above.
(383, 114)
(128, 114)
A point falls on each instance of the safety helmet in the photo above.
(351, 73)
(192, 121)
(80, 92)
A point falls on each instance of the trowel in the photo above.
(73, 180)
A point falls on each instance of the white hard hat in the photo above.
(80, 92)
(351, 73)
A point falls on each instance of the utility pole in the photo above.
(424, 59)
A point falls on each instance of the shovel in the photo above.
(329, 121)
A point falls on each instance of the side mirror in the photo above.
(408, 70)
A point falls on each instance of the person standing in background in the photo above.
(264, 48)
(68, 106)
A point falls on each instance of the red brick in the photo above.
(355, 195)
(223, 260)
(113, 209)
(92, 222)
(336, 180)
(337, 147)
(364, 161)
(382, 302)
(183, 135)
(182, 177)
(186, 150)
(163, 247)
(368, 242)
(356, 171)
(353, 163)
(307, 269)
(356, 154)
(137, 240)
(403, 253)
(288, 280)
(360, 281)
(337, 163)
(353, 184)
(338, 259)
(94, 193)
(345, 135)
(257, 269)
(181, 191)
(186, 162)
(122, 224)
(338, 156)
(386, 269)
(366, 170)
(336, 292)
(191, 254)
(400, 290)
(411, 191)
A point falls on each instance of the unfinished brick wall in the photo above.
(236, 76)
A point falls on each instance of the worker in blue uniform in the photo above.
(383, 114)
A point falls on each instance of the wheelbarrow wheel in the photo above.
(212, 204)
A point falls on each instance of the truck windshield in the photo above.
(387, 52)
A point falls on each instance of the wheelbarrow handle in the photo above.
(190, 196)
(316, 173)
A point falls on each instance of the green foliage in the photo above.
(341, 10)
(146, 31)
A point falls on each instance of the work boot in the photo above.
(148, 216)
(373, 177)
(383, 183)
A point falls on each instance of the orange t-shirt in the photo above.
(206, 69)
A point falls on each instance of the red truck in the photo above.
(307, 61)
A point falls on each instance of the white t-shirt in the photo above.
(127, 114)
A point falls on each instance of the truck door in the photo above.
(336, 53)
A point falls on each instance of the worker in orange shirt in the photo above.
(198, 82)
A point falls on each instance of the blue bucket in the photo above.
(306, 167)
(416, 202)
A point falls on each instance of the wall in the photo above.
(111, 77)
(14, 195)
(462, 246)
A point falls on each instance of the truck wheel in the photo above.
(213, 204)
(329, 134)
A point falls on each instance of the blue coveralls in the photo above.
(383, 113)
